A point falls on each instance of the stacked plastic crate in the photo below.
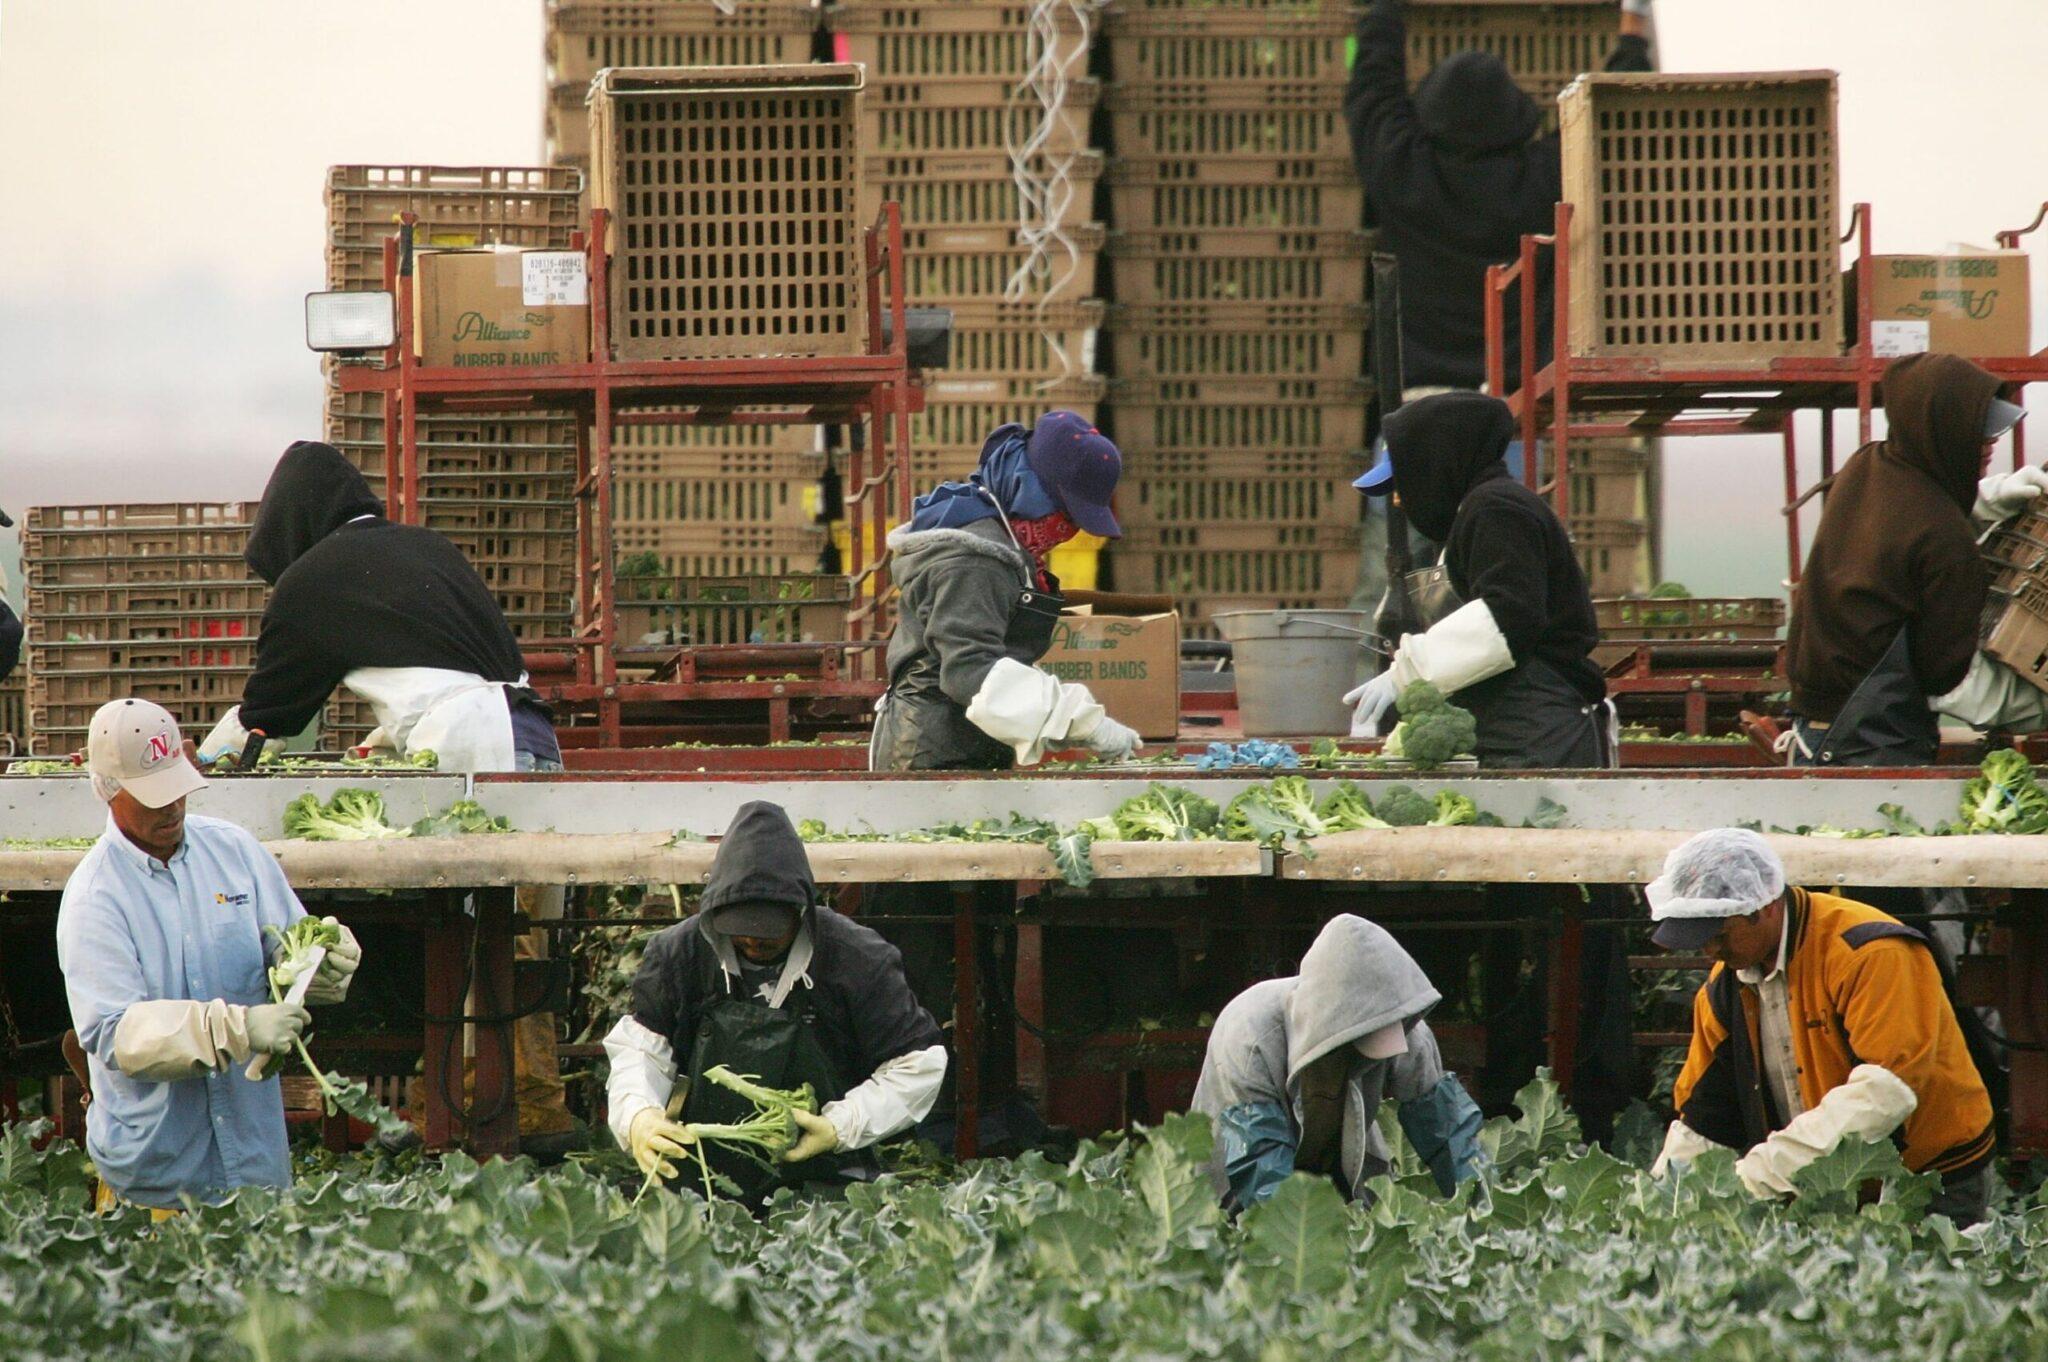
(1239, 273)
(150, 601)
(702, 500)
(14, 713)
(501, 485)
(977, 124)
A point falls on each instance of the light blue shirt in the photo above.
(132, 928)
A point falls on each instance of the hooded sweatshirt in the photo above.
(1455, 176)
(1502, 543)
(1265, 1046)
(844, 974)
(10, 640)
(1896, 547)
(351, 589)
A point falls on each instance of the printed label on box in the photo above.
(1890, 339)
(553, 279)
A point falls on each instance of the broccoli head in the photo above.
(1453, 810)
(1432, 730)
(2005, 797)
(1346, 809)
(1402, 807)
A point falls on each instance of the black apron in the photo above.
(777, 1046)
(1533, 718)
(1885, 722)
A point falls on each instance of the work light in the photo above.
(339, 322)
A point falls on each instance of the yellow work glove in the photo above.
(820, 1136)
(653, 1139)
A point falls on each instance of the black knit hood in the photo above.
(1470, 104)
(312, 493)
(760, 861)
(1443, 447)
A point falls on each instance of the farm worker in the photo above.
(1509, 634)
(1885, 621)
(1822, 1020)
(161, 939)
(10, 625)
(1297, 1067)
(770, 983)
(978, 607)
(398, 615)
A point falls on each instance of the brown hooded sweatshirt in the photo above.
(1896, 546)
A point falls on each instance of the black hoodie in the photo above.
(1455, 176)
(1896, 546)
(859, 1003)
(1502, 543)
(10, 640)
(351, 592)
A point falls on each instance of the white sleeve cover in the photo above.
(228, 738)
(1993, 695)
(896, 1097)
(1032, 710)
(643, 1075)
(1870, 1104)
(1461, 649)
(167, 1039)
(1682, 1144)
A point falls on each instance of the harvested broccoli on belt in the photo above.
(1432, 730)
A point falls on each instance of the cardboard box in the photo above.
(1129, 661)
(1973, 305)
(501, 307)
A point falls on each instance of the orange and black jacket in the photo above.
(1864, 988)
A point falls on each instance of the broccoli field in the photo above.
(1118, 1252)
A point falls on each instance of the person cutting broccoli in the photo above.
(773, 985)
(161, 938)
(1297, 1067)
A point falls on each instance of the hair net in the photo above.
(1723, 872)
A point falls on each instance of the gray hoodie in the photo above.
(1354, 980)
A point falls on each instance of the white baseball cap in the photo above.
(136, 746)
(1385, 1043)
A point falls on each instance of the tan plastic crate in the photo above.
(14, 714)
(735, 193)
(913, 39)
(739, 487)
(725, 550)
(1546, 46)
(1267, 500)
(979, 262)
(1705, 216)
(1020, 340)
(647, 449)
(1165, 414)
(900, 129)
(957, 189)
(457, 206)
(1234, 266)
(584, 39)
(1265, 48)
(1246, 351)
(1210, 192)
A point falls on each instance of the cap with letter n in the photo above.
(136, 746)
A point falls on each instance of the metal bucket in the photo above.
(1293, 667)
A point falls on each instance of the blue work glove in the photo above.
(1443, 1125)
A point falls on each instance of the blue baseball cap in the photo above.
(1080, 466)
(1379, 479)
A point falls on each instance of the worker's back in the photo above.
(1455, 176)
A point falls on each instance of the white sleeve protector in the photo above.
(1993, 695)
(643, 1075)
(167, 1039)
(1681, 1145)
(228, 738)
(896, 1097)
(1870, 1104)
(1462, 649)
(1032, 710)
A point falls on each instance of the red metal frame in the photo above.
(1637, 396)
(605, 392)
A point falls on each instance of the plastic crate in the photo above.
(1262, 48)
(970, 263)
(963, 424)
(1275, 574)
(1246, 137)
(1545, 46)
(643, 449)
(565, 133)
(457, 206)
(725, 550)
(897, 129)
(1021, 340)
(1705, 216)
(1237, 462)
(1301, 111)
(1239, 266)
(802, 608)
(955, 190)
(910, 39)
(1690, 617)
(1145, 199)
(151, 601)
(14, 714)
(346, 720)
(735, 194)
(733, 486)
(1272, 500)
(584, 39)
(1180, 354)
(1158, 414)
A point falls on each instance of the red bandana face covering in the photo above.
(1041, 536)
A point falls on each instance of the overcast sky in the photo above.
(164, 161)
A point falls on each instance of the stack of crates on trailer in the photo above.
(1239, 274)
(1546, 44)
(148, 601)
(500, 484)
(977, 125)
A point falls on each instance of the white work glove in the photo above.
(655, 1139)
(1370, 703)
(820, 1136)
(1869, 1104)
(228, 738)
(275, 1027)
(2002, 496)
(1112, 741)
(330, 983)
(1682, 1144)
